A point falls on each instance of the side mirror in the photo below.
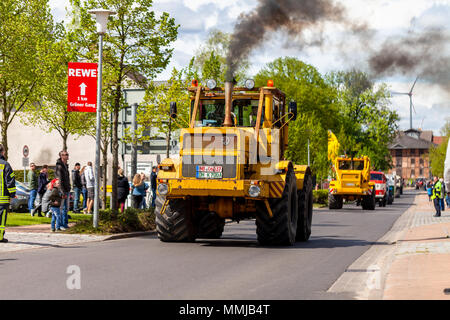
(173, 110)
(293, 109)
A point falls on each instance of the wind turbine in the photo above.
(411, 106)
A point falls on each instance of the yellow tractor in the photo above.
(352, 179)
(232, 165)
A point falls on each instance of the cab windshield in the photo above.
(351, 165)
(211, 113)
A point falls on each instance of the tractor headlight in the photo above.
(163, 189)
(250, 84)
(211, 84)
(254, 191)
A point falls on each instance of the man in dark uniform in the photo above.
(7, 191)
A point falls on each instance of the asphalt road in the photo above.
(233, 267)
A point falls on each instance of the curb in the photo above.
(130, 235)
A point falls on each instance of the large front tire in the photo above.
(305, 209)
(281, 229)
(175, 225)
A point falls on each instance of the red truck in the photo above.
(380, 181)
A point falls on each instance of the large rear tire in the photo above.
(282, 227)
(210, 225)
(175, 225)
(335, 201)
(305, 209)
(369, 201)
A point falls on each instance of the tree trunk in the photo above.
(115, 151)
(105, 175)
(5, 137)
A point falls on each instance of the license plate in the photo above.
(209, 172)
(350, 184)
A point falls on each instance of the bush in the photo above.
(320, 196)
(19, 174)
(130, 220)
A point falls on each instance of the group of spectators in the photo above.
(53, 197)
(138, 189)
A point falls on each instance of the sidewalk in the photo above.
(41, 236)
(421, 265)
(411, 261)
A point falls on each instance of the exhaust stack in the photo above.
(228, 121)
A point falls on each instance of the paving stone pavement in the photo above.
(18, 241)
(366, 277)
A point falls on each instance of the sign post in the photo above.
(25, 161)
(82, 87)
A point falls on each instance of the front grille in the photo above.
(190, 163)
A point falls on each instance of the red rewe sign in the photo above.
(82, 87)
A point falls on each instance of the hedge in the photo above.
(19, 174)
(320, 196)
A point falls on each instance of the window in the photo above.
(398, 153)
(376, 177)
(413, 162)
(413, 173)
(211, 113)
(421, 171)
(421, 161)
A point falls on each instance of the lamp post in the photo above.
(101, 15)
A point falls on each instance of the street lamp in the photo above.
(101, 16)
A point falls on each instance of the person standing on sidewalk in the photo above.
(437, 194)
(153, 176)
(33, 178)
(62, 174)
(90, 185)
(77, 186)
(447, 175)
(443, 193)
(56, 197)
(123, 189)
(7, 191)
(42, 187)
(83, 188)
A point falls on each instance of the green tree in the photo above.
(155, 111)
(50, 112)
(438, 153)
(316, 109)
(211, 57)
(211, 68)
(137, 41)
(367, 124)
(26, 27)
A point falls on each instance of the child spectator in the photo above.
(56, 197)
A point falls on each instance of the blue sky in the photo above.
(387, 17)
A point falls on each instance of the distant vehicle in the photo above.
(420, 183)
(20, 202)
(381, 189)
(391, 188)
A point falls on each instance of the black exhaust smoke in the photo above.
(293, 16)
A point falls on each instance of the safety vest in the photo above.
(7, 182)
(437, 191)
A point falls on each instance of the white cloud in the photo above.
(387, 17)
